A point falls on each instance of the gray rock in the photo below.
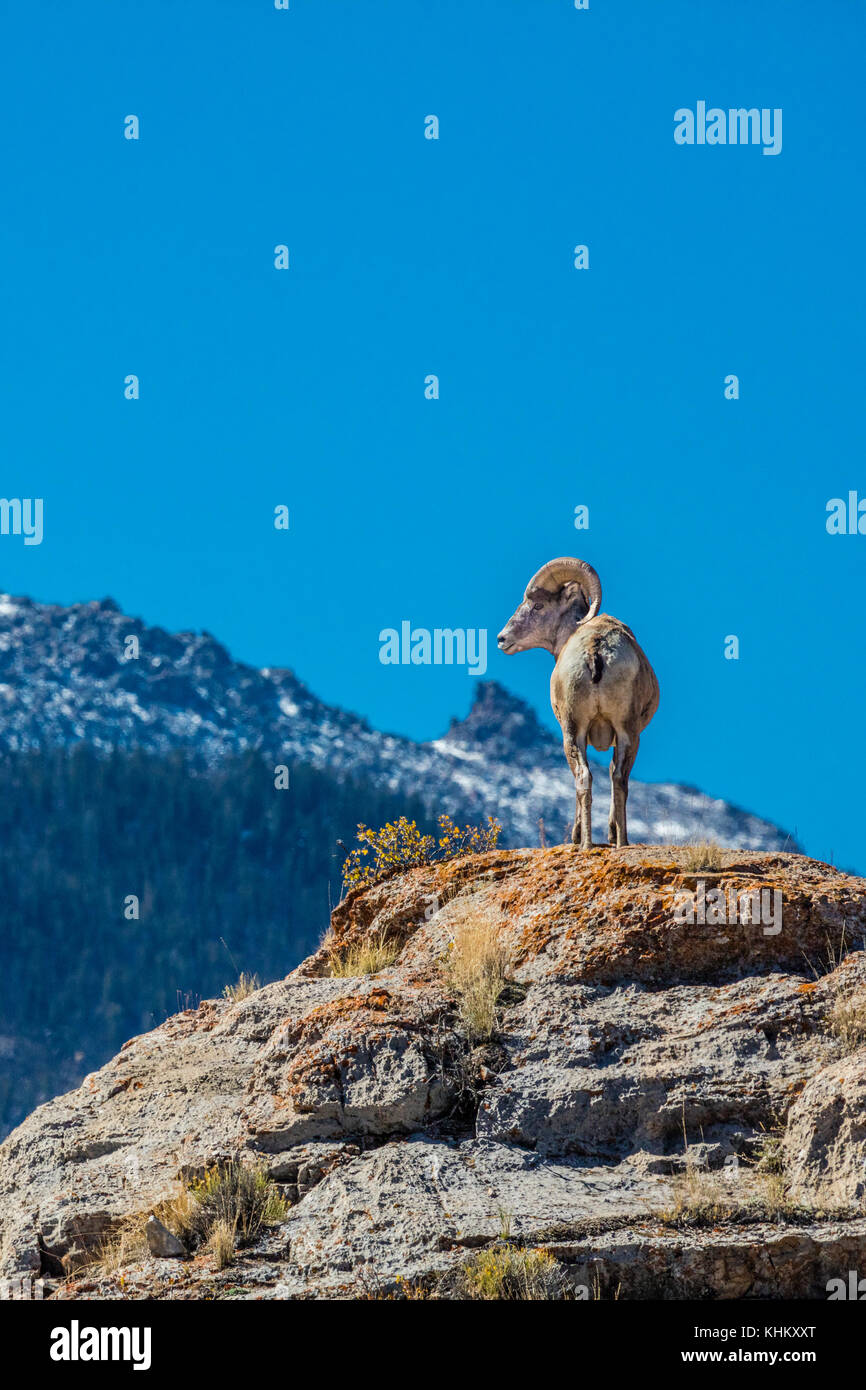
(825, 1140)
(417, 1207)
(163, 1242)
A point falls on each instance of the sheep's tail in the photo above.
(594, 655)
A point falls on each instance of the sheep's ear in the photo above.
(572, 592)
(574, 601)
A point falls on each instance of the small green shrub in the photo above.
(511, 1272)
(400, 845)
(233, 1195)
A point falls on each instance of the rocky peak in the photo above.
(499, 724)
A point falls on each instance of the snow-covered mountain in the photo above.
(70, 675)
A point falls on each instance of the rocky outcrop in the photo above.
(668, 1108)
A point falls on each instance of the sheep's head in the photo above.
(561, 595)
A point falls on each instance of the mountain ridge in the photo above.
(71, 674)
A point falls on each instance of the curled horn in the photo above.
(567, 570)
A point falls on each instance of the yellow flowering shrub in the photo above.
(399, 845)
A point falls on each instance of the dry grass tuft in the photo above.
(774, 1199)
(128, 1242)
(700, 1198)
(702, 857)
(704, 1198)
(177, 1213)
(226, 1208)
(364, 957)
(221, 1244)
(476, 971)
(246, 985)
(847, 1021)
(127, 1245)
(835, 954)
(773, 1179)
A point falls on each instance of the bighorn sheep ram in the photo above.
(603, 689)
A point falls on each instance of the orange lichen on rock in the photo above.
(606, 915)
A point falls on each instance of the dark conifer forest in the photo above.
(230, 874)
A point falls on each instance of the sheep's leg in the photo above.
(575, 751)
(625, 752)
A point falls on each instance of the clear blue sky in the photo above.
(409, 257)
